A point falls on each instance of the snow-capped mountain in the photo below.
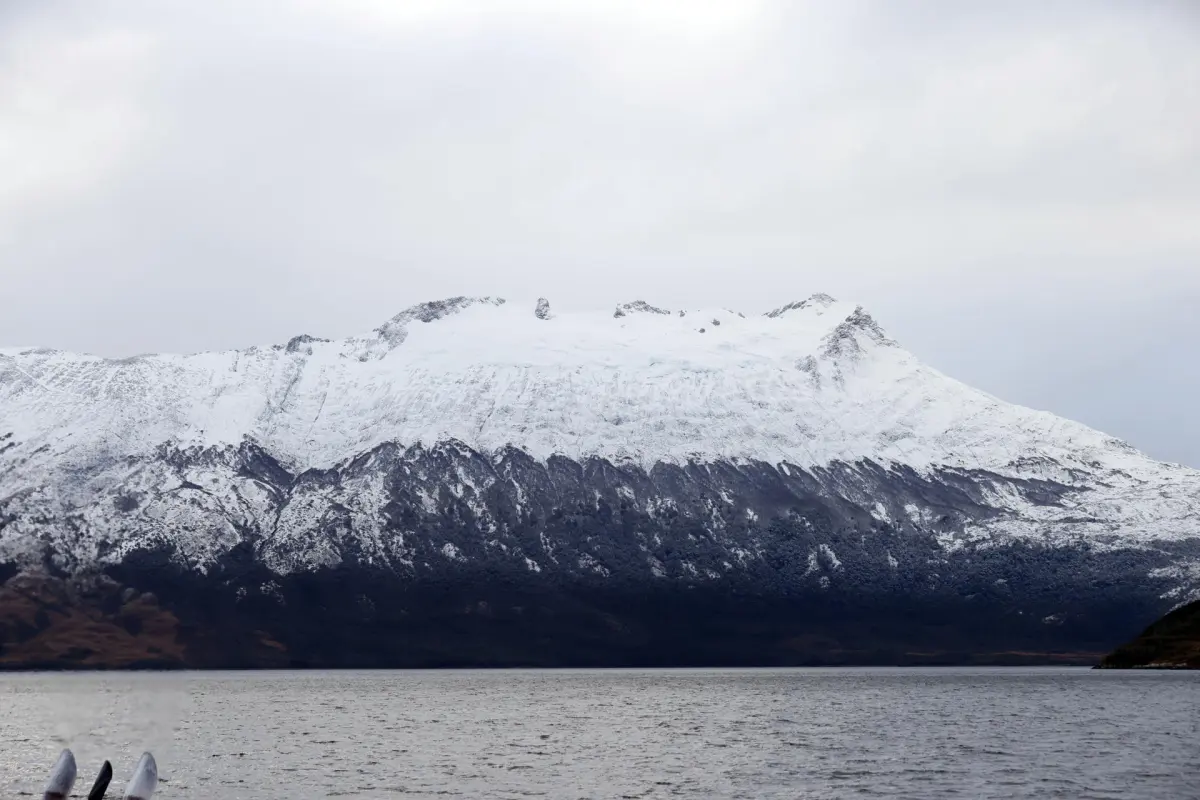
(798, 456)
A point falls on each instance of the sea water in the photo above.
(820, 733)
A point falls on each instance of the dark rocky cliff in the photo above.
(478, 561)
(1172, 642)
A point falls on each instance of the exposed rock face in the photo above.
(393, 332)
(638, 307)
(819, 301)
(472, 484)
(1172, 642)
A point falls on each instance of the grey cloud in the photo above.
(1012, 189)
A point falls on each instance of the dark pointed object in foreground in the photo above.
(101, 784)
(144, 781)
(62, 777)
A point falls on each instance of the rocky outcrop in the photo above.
(1172, 642)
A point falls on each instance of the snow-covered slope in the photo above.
(809, 384)
(471, 446)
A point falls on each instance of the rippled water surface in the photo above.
(912, 733)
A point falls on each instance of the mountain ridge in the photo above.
(844, 340)
(801, 457)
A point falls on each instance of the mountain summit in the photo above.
(801, 458)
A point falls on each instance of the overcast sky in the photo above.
(1012, 189)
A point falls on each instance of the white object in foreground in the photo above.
(62, 777)
(144, 781)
